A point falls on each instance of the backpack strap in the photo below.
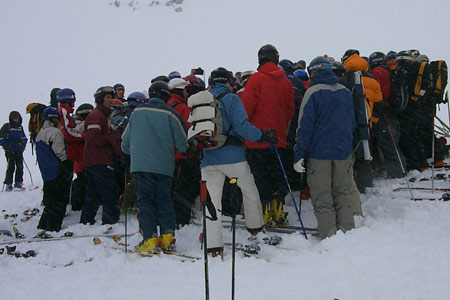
(418, 85)
(175, 104)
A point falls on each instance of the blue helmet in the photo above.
(319, 63)
(65, 96)
(118, 86)
(137, 96)
(50, 113)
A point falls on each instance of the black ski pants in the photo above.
(55, 205)
(15, 163)
(79, 190)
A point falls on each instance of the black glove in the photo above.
(125, 160)
(268, 136)
(66, 170)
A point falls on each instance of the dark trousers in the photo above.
(55, 205)
(154, 204)
(15, 163)
(269, 178)
(185, 188)
(79, 190)
(100, 189)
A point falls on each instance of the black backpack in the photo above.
(437, 80)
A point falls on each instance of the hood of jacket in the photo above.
(325, 76)
(272, 70)
(356, 63)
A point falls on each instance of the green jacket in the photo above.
(151, 136)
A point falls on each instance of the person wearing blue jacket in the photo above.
(13, 140)
(153, 132)
(324, 139)
(230, 160)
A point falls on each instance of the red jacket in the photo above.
(383, 76)
(179, 104)
(102, 144)
(73, 138)
(268, 99)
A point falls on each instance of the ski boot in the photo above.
(150, 246)
(248, 250)
(18, 185)
(279, 216)
(267, 216)
(216, 252)
(9, 188)
(271, 240)
(167, 243)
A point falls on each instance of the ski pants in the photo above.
(215, 177)
(268, 175)
(15, 163)
(100, 190)
(154, 204)
(79, 190)
(55, 205)
(329, 182)
(185, 188)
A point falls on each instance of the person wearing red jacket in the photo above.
(268, 99)
(101, 148)
(186, 175)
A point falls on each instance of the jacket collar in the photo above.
(106, 111)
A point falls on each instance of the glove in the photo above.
(66, 170)
(268, 136)
(299, 166)
(125, 161)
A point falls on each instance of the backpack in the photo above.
(206, 121)
(403, 86)
(438, 78)
(36, 119)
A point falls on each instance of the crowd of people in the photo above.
(135, 151)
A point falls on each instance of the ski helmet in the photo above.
(65, 96)
(137, 96)
(301, 64)
(222, 75)
(319, 63)
(50, 113)
(301, 74)
(101, 92)
(84, 110)
(404, 55)
(268, 53)
(178, 83)
(159, 89)
(118, 86)
(160, 78)
(174, 74)
(195, 84)
(287, 65)
(338, 69)
(349, 53)
(376, 58)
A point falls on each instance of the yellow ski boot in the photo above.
(150, 246)
(168, 243)
(279, 216)
(267, 216)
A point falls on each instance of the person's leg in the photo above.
(91, 202)
(108, 195)
(146, 193)
(341, 178)
(11, 166)
(165, 213)
(18, 179)
(214, 183)
(57, 210)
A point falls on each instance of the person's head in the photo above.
(51, 114)
(160, 78)
(83, 111)
(137, 97)
(222, 75)
(195, 84)
(301, 64)
(174, 74)
(287, 66)
(318, 64)
(268, 53)
(53, 101)
(104, 96)
(245, 76)
(15, 117)
(178, 86)
(119, 90)
(66, 96)
(376, 58)
(348, 53)
(160, 90)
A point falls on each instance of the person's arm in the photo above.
(306, 123)
(237, 116)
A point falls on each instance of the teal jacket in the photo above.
(151, 136)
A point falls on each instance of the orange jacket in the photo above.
(371, 85)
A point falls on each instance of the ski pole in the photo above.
(203, 196)
(398, 157)
(29, 172)
(124, 198)
(290, 190)
(235, 206)
(432, 148)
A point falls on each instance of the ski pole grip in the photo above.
(203, 191)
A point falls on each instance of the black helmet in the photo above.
(268, 53)
(159, 89)
(84, 110)
(101, 92)
(348, 53)
(404, 55)
(376, 58)
(160, 78)
(221, 75)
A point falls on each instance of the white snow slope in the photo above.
(399, 249)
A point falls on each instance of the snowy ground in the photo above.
(398, 251)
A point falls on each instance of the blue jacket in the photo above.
(234, 116)
(153, 132)
(326, 120)
(12, 136)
